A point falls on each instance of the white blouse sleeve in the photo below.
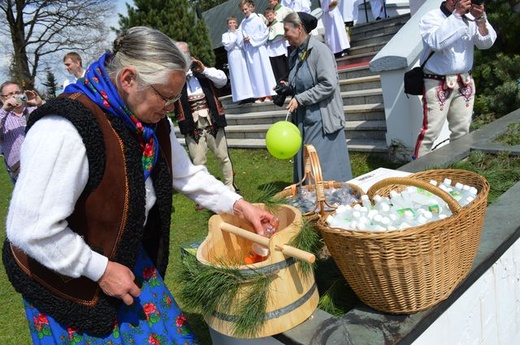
(54, 172)
(197, 183)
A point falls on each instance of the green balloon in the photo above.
(283, 140)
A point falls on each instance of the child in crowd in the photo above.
(259, 67)
(276, 46)
(233, 41)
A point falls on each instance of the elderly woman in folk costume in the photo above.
(89, 221)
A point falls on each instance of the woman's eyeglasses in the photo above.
(167, 101)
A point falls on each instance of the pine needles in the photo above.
(242, 295)
(207, 289)
(308, 240)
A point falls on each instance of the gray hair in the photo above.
(294, 19)
(153, 54)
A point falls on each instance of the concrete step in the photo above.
(356, 112)
(352, 96)
(355, 59)
(368, 29)
(368, 96)
(382, 35)
(354, 145)
(361, 83)
(349, 71)
(368, 48)
(354, 129)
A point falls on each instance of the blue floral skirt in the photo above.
(153, 318)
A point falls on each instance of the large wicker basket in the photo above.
(409, 270)
(313, 181)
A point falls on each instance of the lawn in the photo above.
(255, 170)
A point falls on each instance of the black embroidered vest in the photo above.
(113, 202)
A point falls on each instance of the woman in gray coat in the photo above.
(316, 105)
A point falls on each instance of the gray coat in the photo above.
(326, 91)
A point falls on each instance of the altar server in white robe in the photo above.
(335, 34)
(232, 40)
(255, 37)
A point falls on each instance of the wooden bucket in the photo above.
(292, 296)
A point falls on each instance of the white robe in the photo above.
(377, 8)
(257, 59)
(298, 5)
(238, 75)
(335, 32)
(349, 10)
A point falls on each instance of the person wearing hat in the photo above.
(316, 106)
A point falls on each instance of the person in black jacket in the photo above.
(201, 117)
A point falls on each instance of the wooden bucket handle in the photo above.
(285, 249)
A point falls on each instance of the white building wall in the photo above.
(488, 313)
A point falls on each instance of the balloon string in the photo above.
(287, 116)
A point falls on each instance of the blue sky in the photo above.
(61, 73)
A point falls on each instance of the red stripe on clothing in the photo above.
(420, 137)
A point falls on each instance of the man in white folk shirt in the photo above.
(201, 117)
(449, 90)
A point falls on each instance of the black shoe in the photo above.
(246, 101)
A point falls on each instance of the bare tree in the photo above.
(39, 29)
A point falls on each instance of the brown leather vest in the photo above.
(109, 215)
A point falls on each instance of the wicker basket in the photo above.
(314, 179)
(409, 270)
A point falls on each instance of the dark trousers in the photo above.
(280, 67)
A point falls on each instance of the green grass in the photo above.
(255, 171)
(511, 136)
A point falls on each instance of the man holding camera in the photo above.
(450, 34)
(201, 117)
(16, 107)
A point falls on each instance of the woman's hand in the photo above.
(254, 215)
(118, 281)
(292, 106)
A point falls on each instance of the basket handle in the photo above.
(452, 203)
(311, 157)
(285, 249)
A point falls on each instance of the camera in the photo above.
(478, 2)
(21, 97)
(282, 91)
